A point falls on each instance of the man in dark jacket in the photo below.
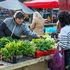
(16, 27)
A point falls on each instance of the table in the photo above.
(45, 24)
(33, 64)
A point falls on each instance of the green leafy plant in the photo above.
(10, 50)
(17, 48)
(26, 47)
(44, 44)
(4, 41)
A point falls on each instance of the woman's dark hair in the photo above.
(19, 14)
(64, 18)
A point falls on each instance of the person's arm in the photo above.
(55, 38)
(2, 29)
(28, 32)
(62, 37)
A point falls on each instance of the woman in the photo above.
(37, 23)
(64, 36)
(16, 27)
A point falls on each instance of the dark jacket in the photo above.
(10, 28)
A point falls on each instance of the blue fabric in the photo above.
(50, 29)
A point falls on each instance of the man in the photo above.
(16, 27)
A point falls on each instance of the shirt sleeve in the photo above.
(62, 37)
(28, 32)
(2, 29)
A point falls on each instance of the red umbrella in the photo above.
(42, 3)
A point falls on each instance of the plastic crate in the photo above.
(41, 53)
(14, 59)
(38, 54)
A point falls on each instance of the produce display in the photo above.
(17, 47)
(45, 44)
(10, 47)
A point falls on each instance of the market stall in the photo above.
(49, 4)
(26, 55)
(33, 64)
(42, 3)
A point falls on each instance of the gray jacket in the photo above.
(10, 28)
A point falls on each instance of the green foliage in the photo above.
(4, 41)
(44, 44)
(17, 48)
(26, 47)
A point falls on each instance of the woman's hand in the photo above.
(55, 38)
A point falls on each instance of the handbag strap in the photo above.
(60, 50)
